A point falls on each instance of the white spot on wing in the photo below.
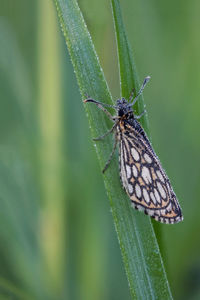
(157, 196)
(140, 208)
(135, 154)
(123, 174)
(163, 211)
(161, 190)
(146, 175)
(130, 188)
(138, 190)
(150, 212)
(135, 171)
(160, 176)
(147, 158)
(128, 171)
(169, 207)
(153, 197)
(146, 196)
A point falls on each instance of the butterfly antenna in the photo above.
(97, 102)
(141, 90)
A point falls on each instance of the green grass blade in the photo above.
(128, 73)
(141, 256)
(87, 69)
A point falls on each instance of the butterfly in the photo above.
(141, 172)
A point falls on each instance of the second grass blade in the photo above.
(129, 80)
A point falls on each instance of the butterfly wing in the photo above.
(143, 177)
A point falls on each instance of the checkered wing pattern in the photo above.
(143, 177)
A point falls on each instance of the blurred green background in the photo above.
(57, 239)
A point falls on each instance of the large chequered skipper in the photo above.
(142, 175)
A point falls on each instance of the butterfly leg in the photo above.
(111, 155)
(105, 134)
(138, 117)
(141, 89)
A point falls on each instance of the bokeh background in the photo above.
(57, 238)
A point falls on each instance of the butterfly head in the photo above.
(124, 108)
